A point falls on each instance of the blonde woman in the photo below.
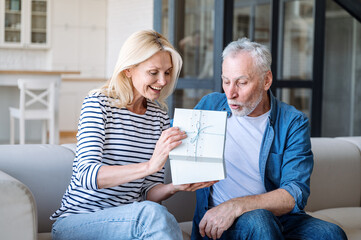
(123, 143)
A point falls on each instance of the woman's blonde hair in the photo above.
(137, 48)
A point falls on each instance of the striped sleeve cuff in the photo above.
(89, 177)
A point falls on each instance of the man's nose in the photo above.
(233, 92)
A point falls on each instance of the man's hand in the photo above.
(220, 218)
(217, 220)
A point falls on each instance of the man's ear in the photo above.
(268, 80)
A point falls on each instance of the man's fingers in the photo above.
(213, 232)
(202, 226)
(219, 232)
(208, 230)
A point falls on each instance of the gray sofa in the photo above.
(33, 179)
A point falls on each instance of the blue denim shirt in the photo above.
(286, 159)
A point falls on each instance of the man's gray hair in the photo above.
(261, 55)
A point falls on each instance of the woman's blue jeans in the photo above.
(262, 224)
(139, 220)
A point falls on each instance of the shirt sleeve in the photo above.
(91, 138)
(298, 163)
(158, 177)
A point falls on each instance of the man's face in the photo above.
(242, 84)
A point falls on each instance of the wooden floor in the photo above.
(64, 138)
(67, 137)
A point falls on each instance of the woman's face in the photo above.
(151, 76)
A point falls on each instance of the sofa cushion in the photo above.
(354, 140)
(186, 228)
(353, 234)
(336, 177)
(349, 219)
(44, 236)
(345, 217)
(17, 209)
(45, 170)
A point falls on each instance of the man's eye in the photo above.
(241, 83)
(167, 73)
(225, 82)
(153, 73)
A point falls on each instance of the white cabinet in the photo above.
(24, 23)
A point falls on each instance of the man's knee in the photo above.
(332, 231)
(256, 224)
(304, 226)
(259, 217)
(259, 220)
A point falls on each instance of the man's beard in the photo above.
(247, 108)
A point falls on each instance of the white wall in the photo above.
(125, 17)
(79, 36)
(86, 36)
(77, 41)
(122, 18)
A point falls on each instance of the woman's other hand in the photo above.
(192, 186)
(161, 192)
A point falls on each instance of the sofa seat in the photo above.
(186, 228)
(33, 179)
(44, 236)
(348, 218)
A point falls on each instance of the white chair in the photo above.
(37, 102)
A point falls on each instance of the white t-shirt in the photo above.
(243, 142)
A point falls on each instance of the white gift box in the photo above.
(200, 156)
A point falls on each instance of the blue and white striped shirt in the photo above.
(108, 135)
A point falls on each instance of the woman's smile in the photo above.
(156, 88)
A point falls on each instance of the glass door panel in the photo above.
(262, 31)
(38, 21)
(241, 21)
(195, 39)
(12, 21)
(300, 98)
(189, 97)
(341, 111)
(298, 25)
(165, 21)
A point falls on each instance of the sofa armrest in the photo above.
(45, 169)
(18, 217)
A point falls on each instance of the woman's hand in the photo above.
(161, 192)
(169, 139)
(192, 186)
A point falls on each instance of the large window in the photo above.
(315, 45)
(252, 19)
(296, 53)
(341, 110)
